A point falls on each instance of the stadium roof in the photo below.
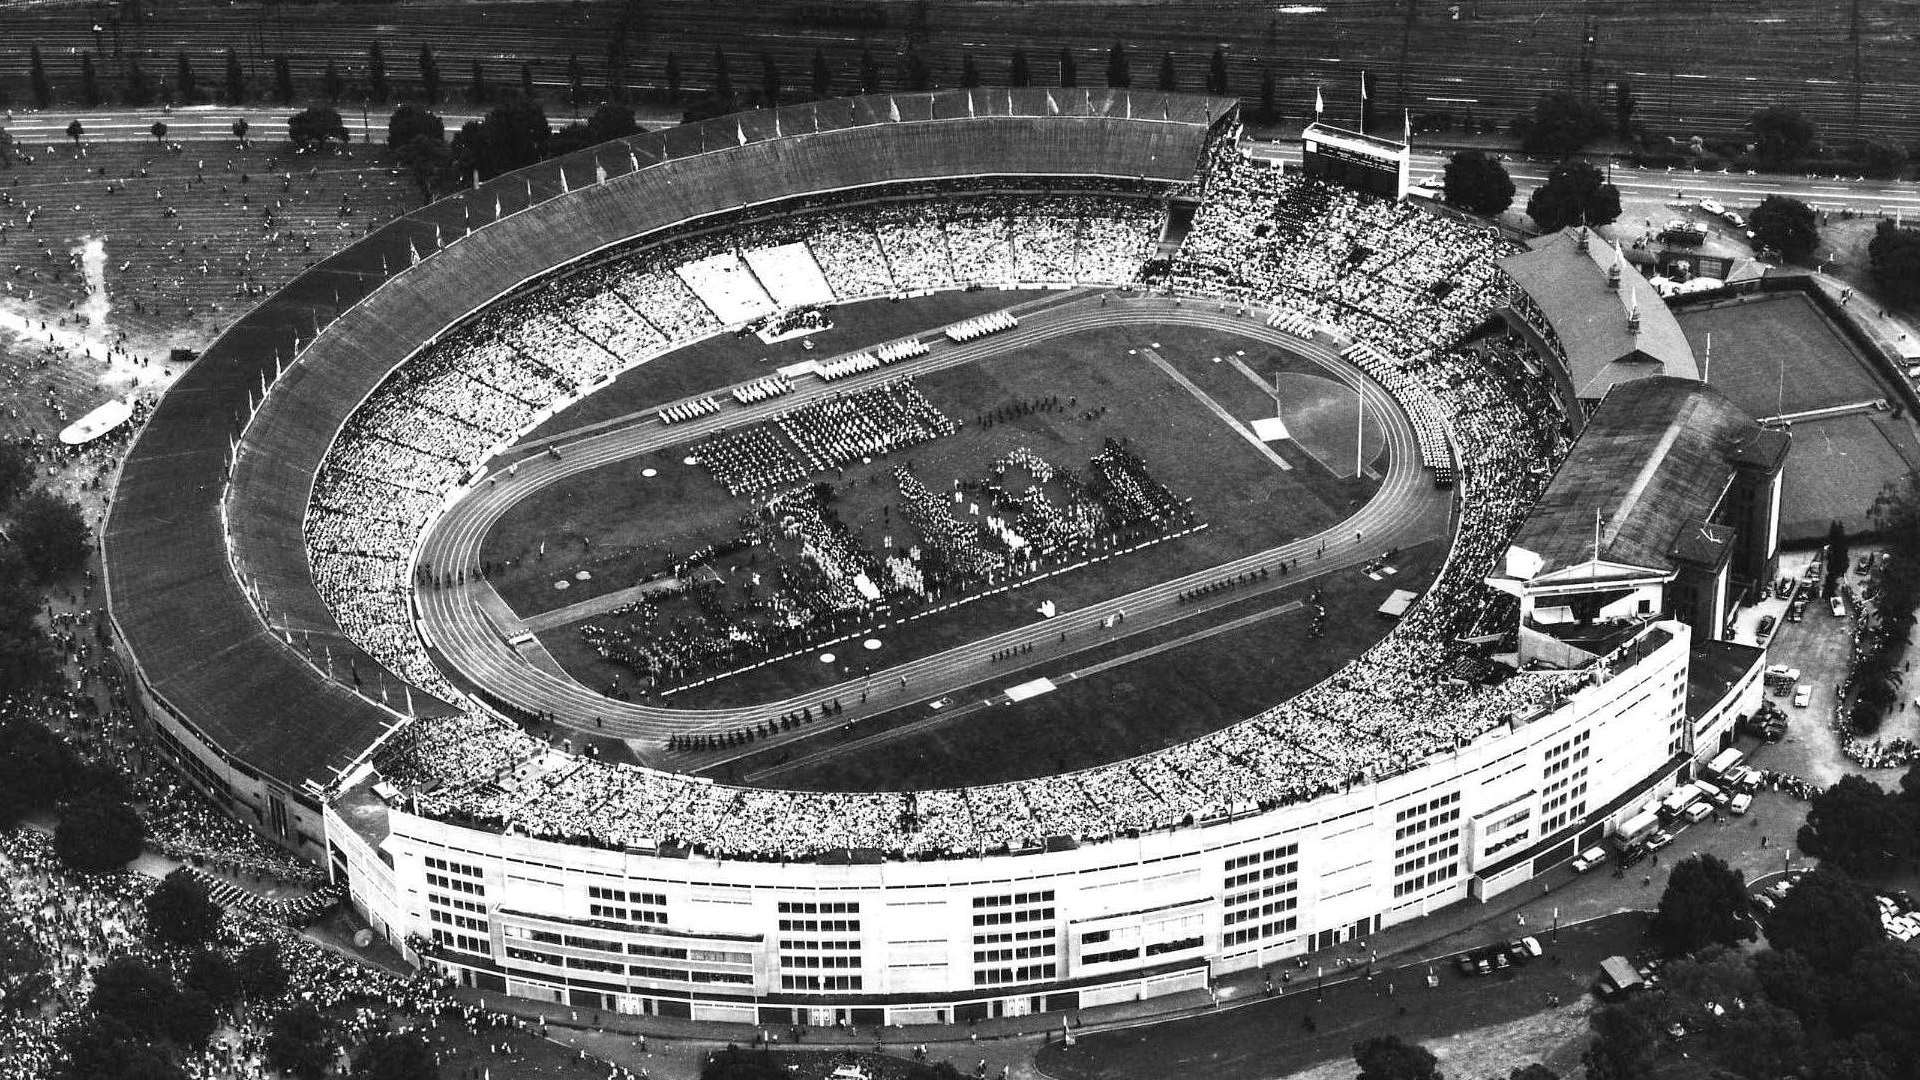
(1653, 462)
(181, 604)
(1567, 275)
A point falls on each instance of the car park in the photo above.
(1740, 803)
(1589, 859)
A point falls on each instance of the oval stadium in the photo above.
(579, 565)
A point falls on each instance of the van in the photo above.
(1803, 697)
(1724, 762)
(1676, 804)
(1698, 811)
(1712, 794)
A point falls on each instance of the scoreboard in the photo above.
(1351, 159)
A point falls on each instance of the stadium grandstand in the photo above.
(262, 553)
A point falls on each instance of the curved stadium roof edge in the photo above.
(196, 639)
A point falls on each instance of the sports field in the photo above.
(1140, 694)
(1778, 355)
(1180, 411)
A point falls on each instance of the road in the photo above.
(196, 123)
(457, 625)
(1740, 191)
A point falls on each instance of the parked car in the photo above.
(1740, 803)
(1698, 812)
(1660, 838)
(1803, 697)
(1796, 611)
(1589, 859)
(1837, 605)
(1712, 206)
(1767, 623)
(1632, 854)
(1525, 949)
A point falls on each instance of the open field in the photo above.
(1702, 67)
(1104, 390)
(1778, 354)
(1140, 705)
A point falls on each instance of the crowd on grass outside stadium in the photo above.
(1408, 288)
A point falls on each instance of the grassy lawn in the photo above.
(1143, 705)
(1779, 355)
(637, 524)
(1272, 1037)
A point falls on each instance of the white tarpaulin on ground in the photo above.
(1397, 604)
(1270, 429)
(97, 423)
(1029, 689)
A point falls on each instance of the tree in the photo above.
(722, 78)
(312, 128)
(1879, 998)
(1762, 1039)
(869, 72)
(969, 71)
(283, 80)
(1534, 1071)
(101, 1047)
(37, 768)
(212, 974)
(16, 473)
(915, 74)
(1018, 69)
(1118, 74)
(377, 72)
(37, 77)
(1623, 105)
(159, 132)
(330, 83)
(1858, 827)
(1269, 97)
(130, 990)
(262, 974)
(1559, 124)
(186, 1017)
(1069, 69)
(527, 88)
(513, 134)
(48, 530)
(1705, 903)
(98, 836)
(612, 121)
(1787, 980)
(429, 75)
(395, 1056)
(1781, 135)
(181, 912)
(236, 79)
(576, 81)
(1827, 918)
(1625, 1037)
(184, 83)
(1387, 1057)
(1169, 79)
(674, 77)
(75, 131)
(1575, 194)
(1475, 181)
(478, 91)
(89, 82)
(1786, 225)
(426, 160)
(820, 79)
(137, 90)
(300, 1042)
(240, 129)
(769, 80)
(1217, 73)
(1893, 258)
(1839, 552)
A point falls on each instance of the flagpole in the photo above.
(1360, 434)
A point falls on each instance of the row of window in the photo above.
(808, 907)
(622, 914)
(820, 926)
(1431, 877)
(1255, 933)
(457, 903)
(462, 942)
(1109, 956)
(815, 963)
(1251, 895)
(1418, 827)
(1255, 858)
(1026, 974)
(1424, 843)
(1001, 937)
(1235, 918)
(1161, 948)
(819, 982)
(601, 892)
(1045, 896)
(804, 944)
(1002, 918)
(471, 888)
(465, 869)
(1025, 952)
(1262, 874)
(1421, 862)
(1431, 804)
(464, 922)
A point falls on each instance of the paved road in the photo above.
(1741, 191)
(456, 625)
(197, 122)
